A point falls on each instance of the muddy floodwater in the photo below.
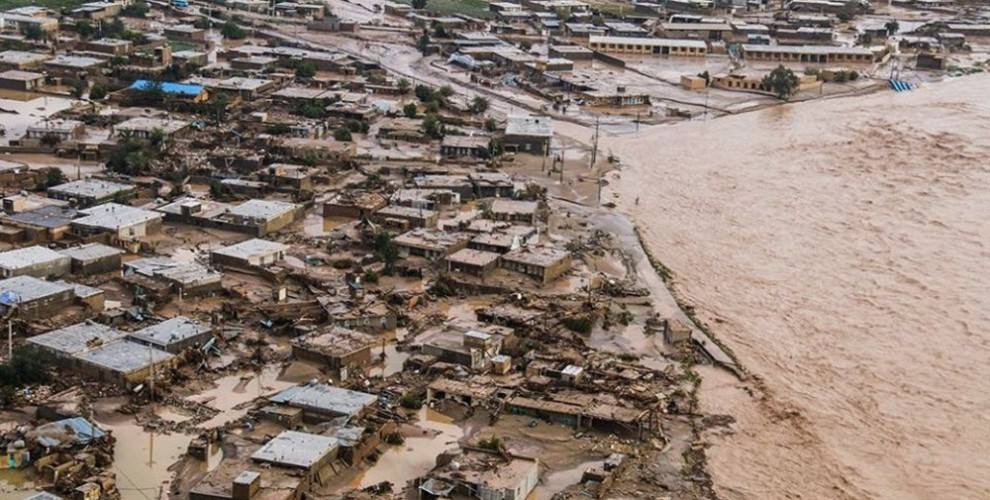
(839, 248)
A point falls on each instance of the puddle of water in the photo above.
(417, 455)
(393, 359)
(16, 480)
(234, 390)
(171, 415)
(141, 459)
(558, 481)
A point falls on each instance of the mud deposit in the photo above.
(839, 248)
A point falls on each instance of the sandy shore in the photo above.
(839, 248)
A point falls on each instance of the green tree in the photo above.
(54, 177)
(136, 9)
(403, 85)
(782, 82)
(491, 125)
(432, 126)
(85, 28)
(386, 250)
(278, 128)
(217, 107)
(306, 70)
(479, 104)
(423, 44)
(409, 110)
(28, 366)
(34, 32)
(419, 4)
(342, 134)
(233, 31)
(892, 27)
(424, 93)
(99, 91)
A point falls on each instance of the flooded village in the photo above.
(355, 249)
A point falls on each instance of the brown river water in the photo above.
(840, 248)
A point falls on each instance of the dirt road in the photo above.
(839, 248)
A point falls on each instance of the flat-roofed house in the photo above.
(15, 79)
(22, 60)
(266, 215)
(93, 258)
(647, 46)
(473, 262)
(528, 134)
(544, 264)
(123, 222)
(36, 261)
(430, 243)
(341, 349)
(298, 450)
(89, 192)
(251, 253)
(35, 298)
(173, 335)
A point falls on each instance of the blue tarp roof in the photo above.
(170, 87)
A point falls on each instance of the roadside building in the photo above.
(123, 362)
(173, 335)
(528, 134)
(109, 46)
(145, 127)
(515, 210)
(696, 31)
(251, 253)
(122, 222)
(88, 192)
(647, 46)
(500, 237)
(36, 261)
(75, 66)
(459, 184)
(93, 258)
(324, 402)
(482, 474)
(65, 343)
(814, 54)
(430, 243)
(160, 277)
(406, 217)
(474, 262)
(492, 184)
(342, 350)
(465, 393)
(266, 216)
(186, 33)
(15, 79)
(34, 298)
(472, 349)
(187, 92)
(465, 146)
(58, 129)
(544, 264)
(298, 450)
(354, 205)
(42, 225)
(22, 60)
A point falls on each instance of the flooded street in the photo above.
(415, 457)
(141, 459)
(837, 247)
(233, 392)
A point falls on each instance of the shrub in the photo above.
(579, 324)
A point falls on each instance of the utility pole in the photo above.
(594, 146)
(562, 151)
